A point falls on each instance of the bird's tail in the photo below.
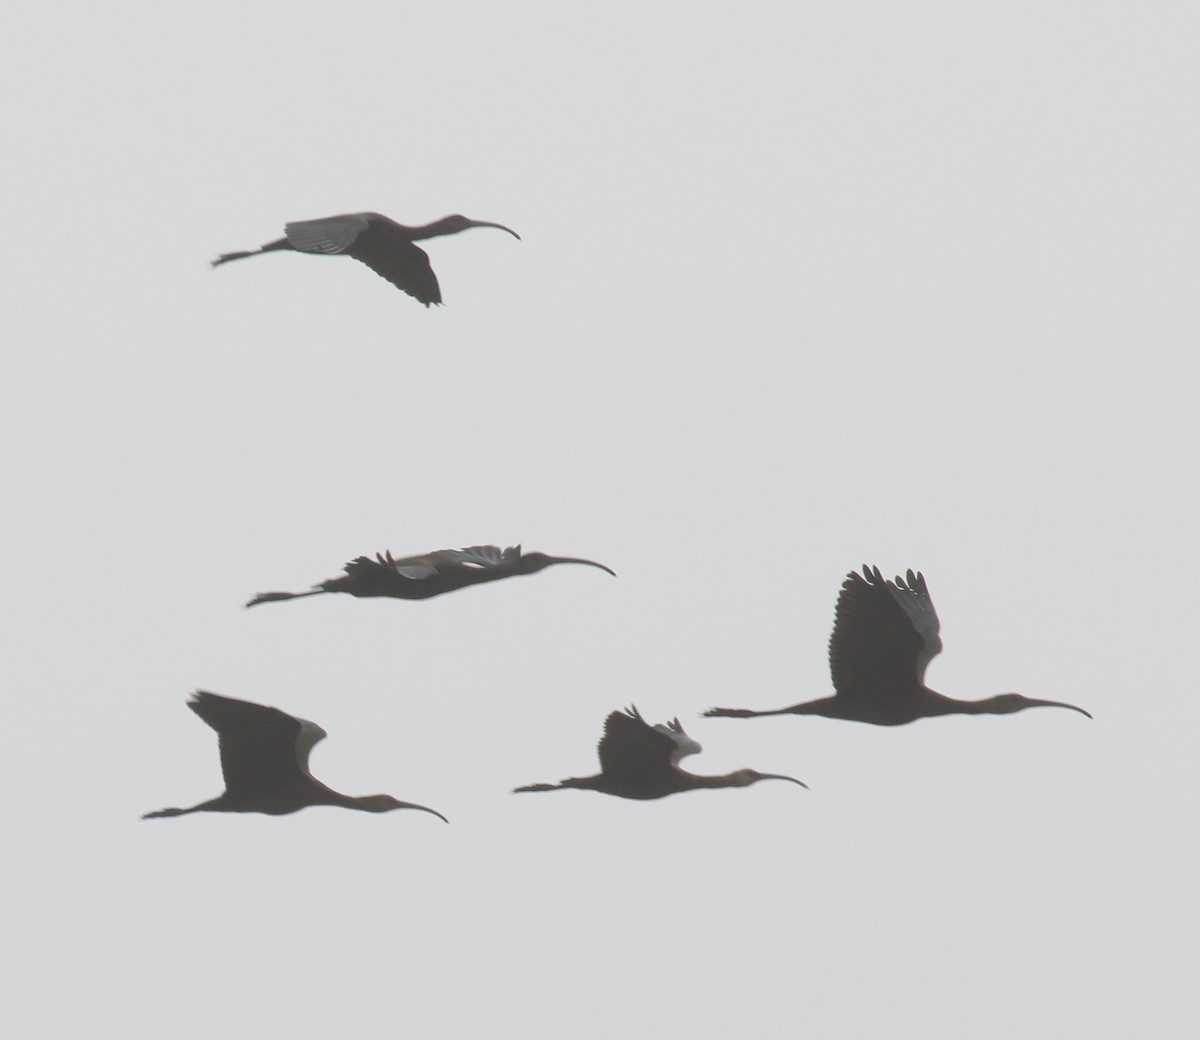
(274, 597)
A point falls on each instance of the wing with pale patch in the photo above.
(261, 748)
(480, 555)
(684, 745)
(384, 575)
(414, 567)
(310, 736)
(632, 747)
(328, 234)
(913, 596)
(876, 651)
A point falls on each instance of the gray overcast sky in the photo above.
(801, 286)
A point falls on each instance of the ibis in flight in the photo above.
(420, 577)
(386, 247)
(885, 633)
(264, 756)
(641, 761)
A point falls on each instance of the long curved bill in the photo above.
(488, 223)
(777, 776)
(590, 563)
(424, 808)
(1057, 704)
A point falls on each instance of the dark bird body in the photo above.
(386, 247)
(264, 757)
(641, 761)
(420, 577)
(885, 633)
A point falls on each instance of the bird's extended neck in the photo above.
(323, 795)
(735, 779)
(999, 704)
(436, 229)
(451, 225)
(934, 703)
(738, 778)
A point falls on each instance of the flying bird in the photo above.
(885, 633)
(264, 757)
(386, 247)
(641, 761)
(420, 577)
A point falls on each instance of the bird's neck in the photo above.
(322, 795)
(935, 703)
(735, 779)
(434, 230)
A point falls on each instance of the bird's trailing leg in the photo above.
(583, 783)
(742, 713)
(275, 597)
(224, 258)
(213, 805)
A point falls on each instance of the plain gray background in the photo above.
(801, 287)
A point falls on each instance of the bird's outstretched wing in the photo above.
(261, 748)
(884, 635)
(376, 241)
(631, 746)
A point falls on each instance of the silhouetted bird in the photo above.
(386, 247)
(885, 633)
(420, 577)
(264, 756)
(641, 761)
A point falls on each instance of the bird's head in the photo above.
(531, 562)
(457, 222)
(386, 803)
(1007, 703)
(746, 777)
